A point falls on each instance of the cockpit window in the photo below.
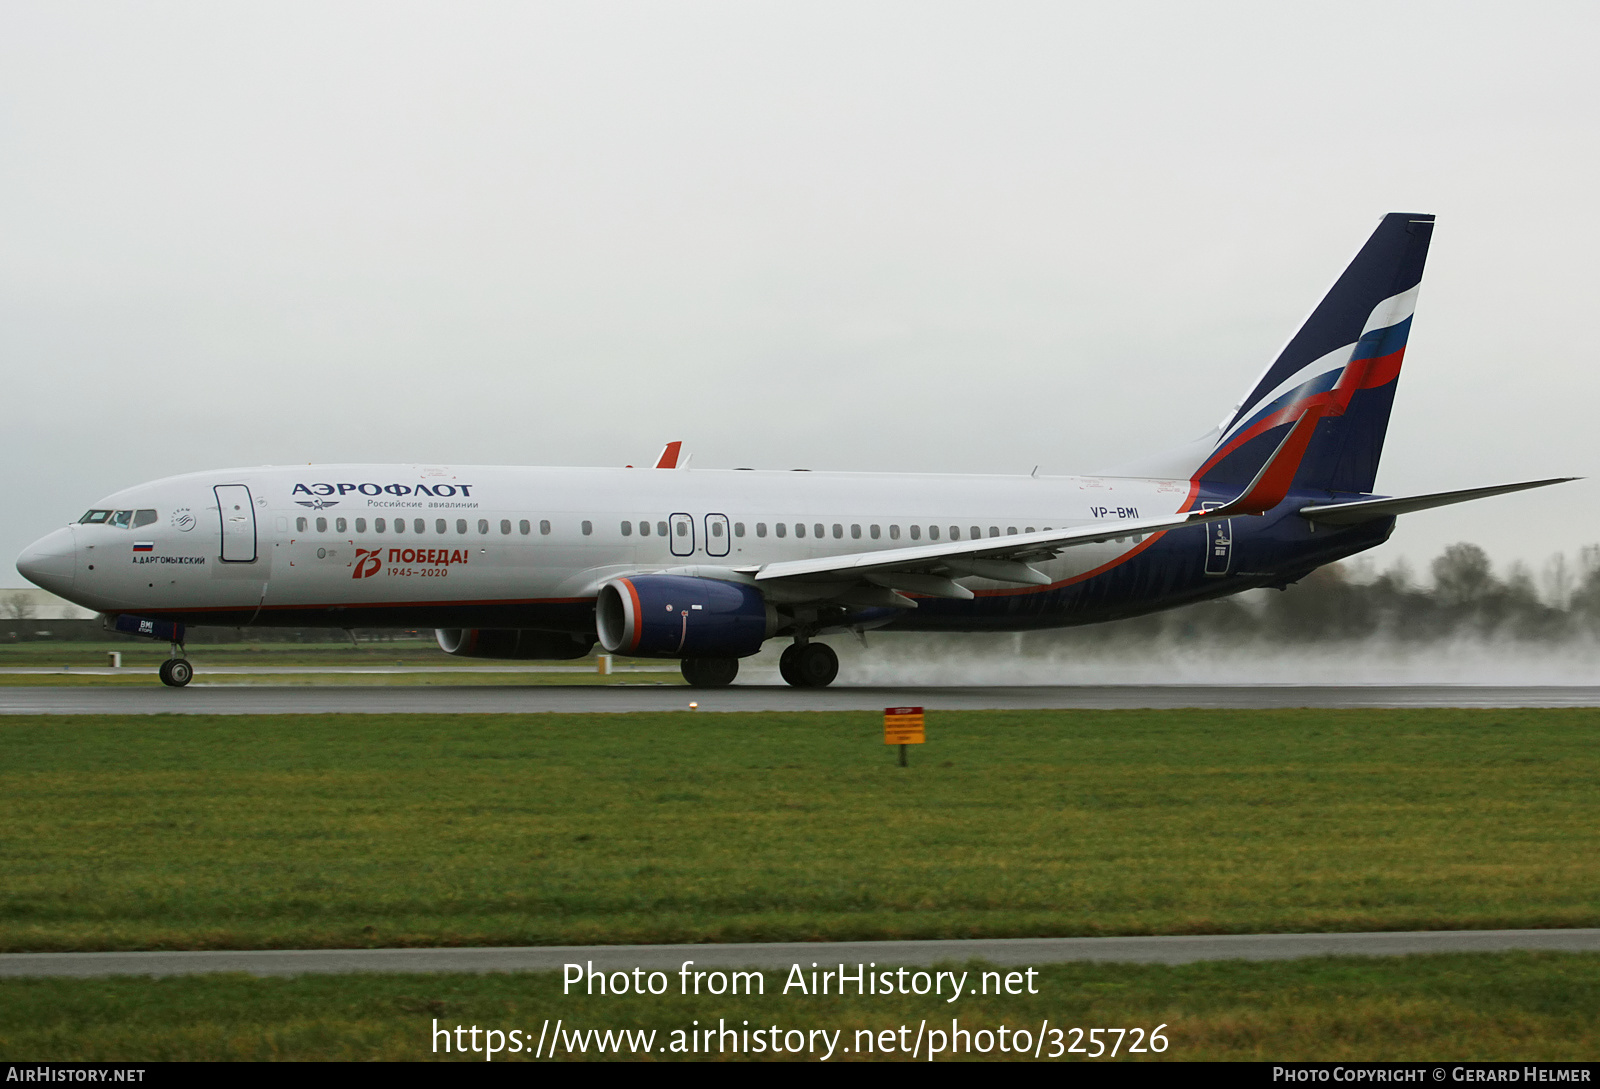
(143, 518)
(94, 517)
(120, 519)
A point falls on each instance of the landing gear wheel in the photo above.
(709, 672)
(786, 666)
(176, 672)
(814, 665)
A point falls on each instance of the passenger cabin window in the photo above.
(399, 525)
(916, 533)
(322, 525)
(505, 527)
(143, 518)
(340, 525)
(838, 531)
(977, 531)
(94, 517)
(379, 524)
(683, 529)
(817, 529)
(855, 533)
(461, 525)
(782, 528)
(544, 527)
(483, 526)
(894, 533)
(361, 525)
(761, 529)
(439, 525)
(300, 525)
(738, 529)
(873, 530)
(588, 528)
(420, 525)
(799, 529)
(1030, 529)
(644, 529)
(955, 533)
(933, 533)
(627, 529)
(994, 531)
(661, 529)
(716, 529)
(1011, 530)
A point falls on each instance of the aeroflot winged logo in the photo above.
(445, 490)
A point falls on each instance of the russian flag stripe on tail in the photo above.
(1344, 362)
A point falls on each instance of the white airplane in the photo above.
(704, 566)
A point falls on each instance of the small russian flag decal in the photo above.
(144, 546)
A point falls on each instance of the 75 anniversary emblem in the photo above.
(368, 561)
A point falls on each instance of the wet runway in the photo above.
(1180, 949)
(222, 699)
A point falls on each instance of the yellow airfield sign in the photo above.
(902, 726)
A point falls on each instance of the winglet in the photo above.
(669, 456)
(1271, 485)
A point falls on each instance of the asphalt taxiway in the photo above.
(1179, 949)
(223, 699)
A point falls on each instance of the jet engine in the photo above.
(682, 616)
(513, 643)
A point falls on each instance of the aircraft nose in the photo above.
(51, 561)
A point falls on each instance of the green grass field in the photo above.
(144, 832)
(1513, 1006)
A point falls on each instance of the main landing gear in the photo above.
(176, 671)
(809, 665)
(709, 672)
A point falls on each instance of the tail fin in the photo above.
(1342, 366)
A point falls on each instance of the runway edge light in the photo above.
(903, 726)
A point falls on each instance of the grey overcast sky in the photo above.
(900, 236)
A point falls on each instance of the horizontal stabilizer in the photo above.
(1365, 510)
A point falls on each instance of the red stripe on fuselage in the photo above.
(366, 605)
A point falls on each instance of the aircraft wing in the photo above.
(1364, 510)
(1004, 559)
(928, 569)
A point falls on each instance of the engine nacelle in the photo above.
(512, 643)
(682, 616)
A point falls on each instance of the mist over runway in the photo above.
(222, 699)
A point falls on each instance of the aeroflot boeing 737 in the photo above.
(704, 566)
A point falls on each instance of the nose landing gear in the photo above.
(809, 665)
(176, 671)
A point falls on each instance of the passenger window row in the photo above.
(822, 530)
(420, 525)
(645, 528)
(875, 532)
